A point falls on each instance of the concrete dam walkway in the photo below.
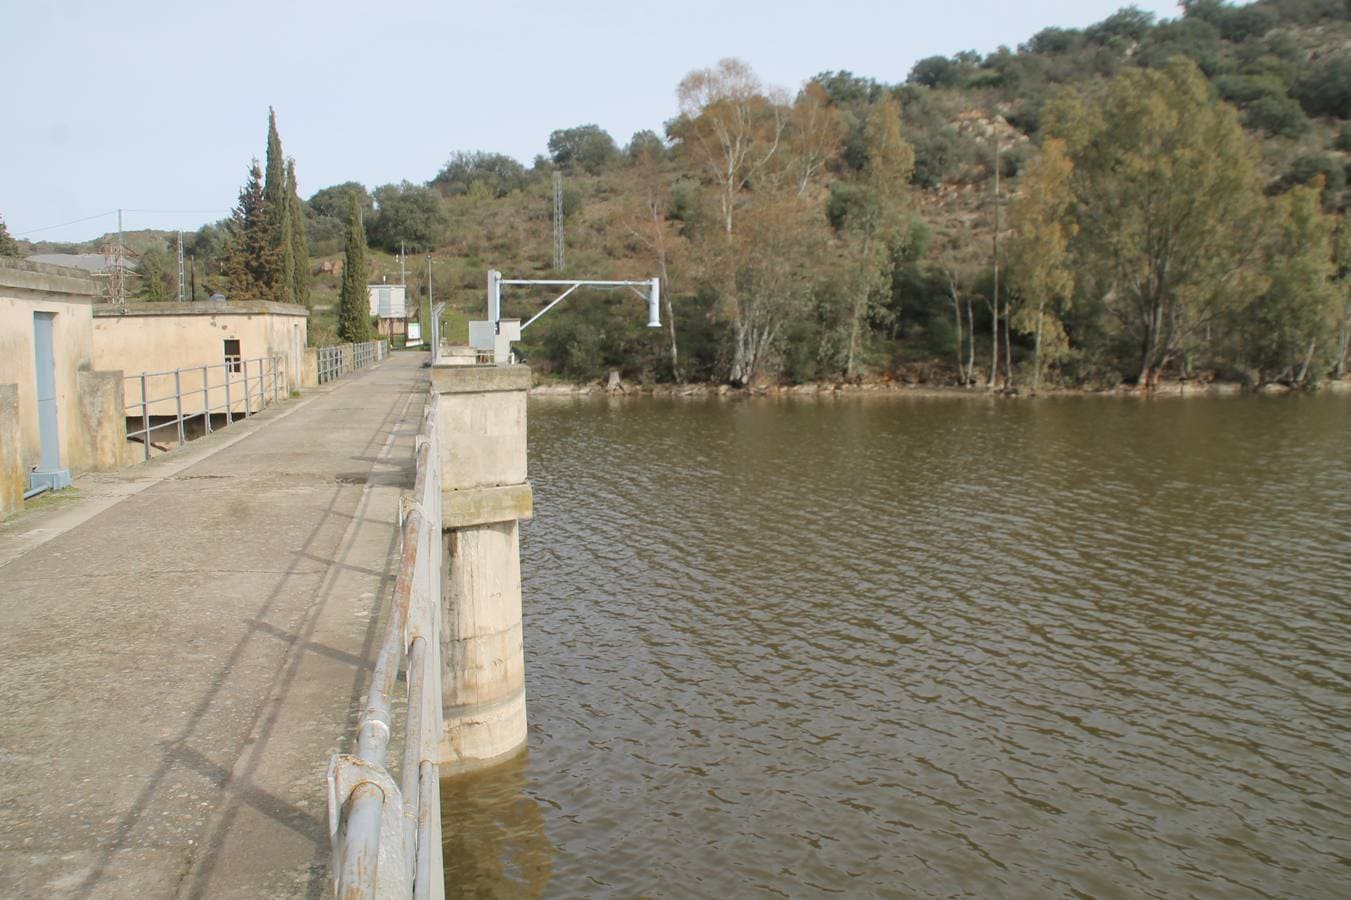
(186, 644)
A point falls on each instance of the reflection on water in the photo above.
(867, 647)
(494, 841)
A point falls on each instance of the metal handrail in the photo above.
(337, 360)
(268, 376)
(386, 836)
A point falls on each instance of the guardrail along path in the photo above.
(179, 668)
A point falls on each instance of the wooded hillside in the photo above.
(1117, 203)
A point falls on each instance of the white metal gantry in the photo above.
(496, 334)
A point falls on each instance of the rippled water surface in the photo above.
(934, 647)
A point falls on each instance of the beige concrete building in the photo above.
(60, 416)
(228, 339)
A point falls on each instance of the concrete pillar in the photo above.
(13, 479)
(103, 405)
(484, 495)
(309, 368)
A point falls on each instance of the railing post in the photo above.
(145, 416)
(178, 403)
(206, 398)
(229, 413)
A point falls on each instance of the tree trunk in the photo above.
(1036, 352)
(994, 305)
(670, 316)
(675, 351)
(970, 343)
(860, 303)
(1148, 371)
(853, 343)
(1008, 354)
(957, 312)
(995, 342)
(1308, 360)
(740, 372)
(1343, 339)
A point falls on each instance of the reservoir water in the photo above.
(892, 646)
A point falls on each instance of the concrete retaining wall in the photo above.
(13, 480)
(309, 368)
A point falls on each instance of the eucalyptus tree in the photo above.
(731, 131)
(650, 223)
(1042, 280)
(1298, 311)
(877, 205)
(1166, 203)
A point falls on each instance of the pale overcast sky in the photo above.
(160, 106)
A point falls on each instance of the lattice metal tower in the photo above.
(558, 221)
(114, 256)
(180, 267)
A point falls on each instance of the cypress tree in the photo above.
(354, 320)
(300, 249)
(250, 255)
(8, 246)
(283, 285)
(281, 279)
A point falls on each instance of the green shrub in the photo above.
(1325, 90)
(1277, 115)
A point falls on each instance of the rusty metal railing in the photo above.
(386, 835)
(235, 388)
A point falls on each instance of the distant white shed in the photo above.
(388, 301)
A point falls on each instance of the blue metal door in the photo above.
(49, 468)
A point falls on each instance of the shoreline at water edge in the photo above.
(1189, 388)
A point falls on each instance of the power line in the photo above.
(176, 212)
(64, 224)
(159, 212)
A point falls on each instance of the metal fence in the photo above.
(235, 388)
(330, 364)
(386, 836)
(342, 359)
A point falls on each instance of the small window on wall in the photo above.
(232, 356)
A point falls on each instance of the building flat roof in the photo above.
(199, 308)
(90, 262)
(21, 274)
